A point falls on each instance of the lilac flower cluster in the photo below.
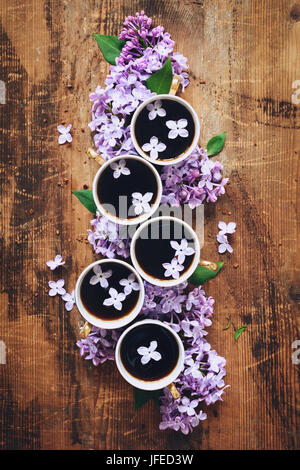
(99, 346)
(106, 240)
(145, 52)
(189, 314)
(202, 378)
(196, 180)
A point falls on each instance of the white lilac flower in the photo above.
(56, 287)
(119, 168)
(65, 135)
(155, 110)
(141, 202)
(193, 368)
(100, 276)
(130, 284)
(164, 49)
(177, 128)
(173, 269)
(53, 264)
(70, 300)
(149, 353)
(182, 250)
(188, 406)
(154, 146)
(115, 299)
(224, 244)
(226, 228)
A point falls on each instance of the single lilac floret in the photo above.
(155, 110)
(56, 287)
(115, 299)
(226, 228)
(53, 264)
(70, 300)
(224, 244)
(119, 168)
(182, 250)
(173, 269)
(65, 135)
(154, 146)
(149, 353)
(188, 406)
(177, 128)
(100, 276)
(130, 284)
(141, 202)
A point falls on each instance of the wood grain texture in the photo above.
(243, 59)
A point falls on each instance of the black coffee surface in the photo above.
(143, 335)
(146, 128)
(141, 179)
(93, 296)
(152, 252)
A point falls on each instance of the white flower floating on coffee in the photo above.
(149, 353)
(116, 298)
(177, 128)
(173, 269)
(119, 169)
(154, 146)
(181, 251)
(100, 276)
(141, 202)
(130, 284)
(156, 110)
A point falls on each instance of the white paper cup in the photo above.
(134, 220)
(155, 384)
(165, 282)
(109, 324)
(190, 149)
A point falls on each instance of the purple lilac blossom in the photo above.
(99, 346)
(202, 379)
(194, 181)
(146, 51)
(105, 238)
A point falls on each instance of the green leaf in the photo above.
(228, 324)
(86, 198)
(239, 331)
(215, 144)
(142, 396)
(160, 81)
(202, 274)
(110, 46)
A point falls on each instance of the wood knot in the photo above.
(295, 12)
(294, 293)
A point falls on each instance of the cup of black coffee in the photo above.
(165, 251)
(149, 355)
(127, 190)
(165, 129)
(109, 293)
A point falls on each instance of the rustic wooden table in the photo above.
(243, 59)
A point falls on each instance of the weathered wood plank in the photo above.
(243, 60)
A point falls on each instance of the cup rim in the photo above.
(171, 161)
(156, 384)
(135, 220)
(165, 282)
(109, 324)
